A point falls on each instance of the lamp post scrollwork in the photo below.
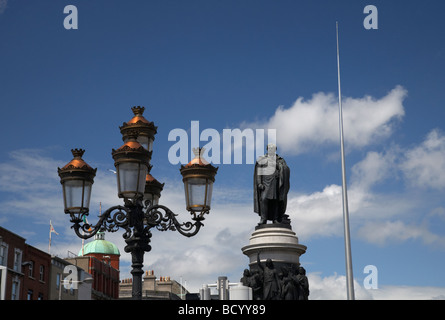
(140, 191)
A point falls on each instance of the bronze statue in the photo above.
(252, 279)
(271, 282)
(289, 289)
(303, 284)
(271, 185)
(275, 279)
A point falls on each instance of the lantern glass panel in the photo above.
(196, 191)
(146, 142)
(209, 192)
(77, 195)
(150, 145)
(153, 198)
(131, 179)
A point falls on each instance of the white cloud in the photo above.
(368, 118)
(320, 214)
(424, 165)
(334, 288)
(376, 216)
(408, 293)
(374, 168)
(317, 214)
(421, 166)
(31, 182)
(312, 123)
(382, 232)
(28, 168)
(3, 5)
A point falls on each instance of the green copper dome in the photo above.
(99, 245)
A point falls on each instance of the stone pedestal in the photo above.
(276, 242)
(279, 275)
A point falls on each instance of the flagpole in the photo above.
(49, 244)
(348, 258)
(51, 230)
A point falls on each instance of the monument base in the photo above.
(279, 244)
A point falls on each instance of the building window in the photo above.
(3, 253)
(31, 269)
(42, 273)
(40, 297)
(15, 289)
(58, 280)
(17, 260)
(29, 296)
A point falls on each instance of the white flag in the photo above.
(51, 228)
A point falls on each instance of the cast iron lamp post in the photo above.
(140, 192)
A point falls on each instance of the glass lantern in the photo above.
(131, 162)
(152, 191)
(77, 179)
(145, 129)
(198, 177)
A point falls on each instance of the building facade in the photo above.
(100, 258)
(27, 273)
(163, 288)
(105, 285)
(102, 250)
(36, 268)
(24, 269)
(60, 287)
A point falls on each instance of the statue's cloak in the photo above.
(276, 183)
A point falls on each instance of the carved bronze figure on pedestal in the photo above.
(279, 276)
(270, 187)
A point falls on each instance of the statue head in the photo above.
(302, 271)
(271, 149)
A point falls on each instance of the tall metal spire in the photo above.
(348, 258)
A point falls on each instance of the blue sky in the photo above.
(238, 64)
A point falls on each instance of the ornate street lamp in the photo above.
(145, 129)
(77, 179)
(141, 192)
(198, 177)
(152, 192)
(131, 161)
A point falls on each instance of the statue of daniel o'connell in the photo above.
(270, 187)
